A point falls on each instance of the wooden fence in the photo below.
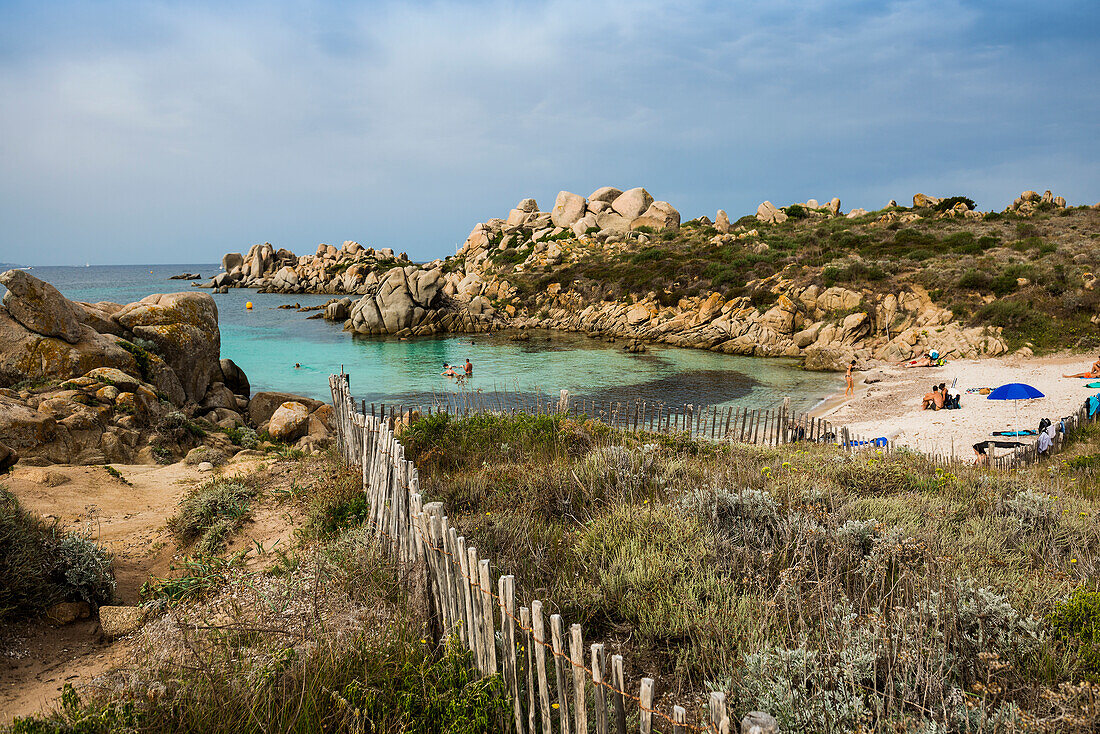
(772, 426)
(576, 689)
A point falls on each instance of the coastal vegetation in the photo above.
(838, 592)
(1027, 275)
(41, 565)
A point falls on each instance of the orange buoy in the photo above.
(248, 305)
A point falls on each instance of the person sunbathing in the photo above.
(1092, 374)
(933, 400)
(927, 359)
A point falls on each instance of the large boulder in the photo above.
(632, 204)
(568, 208)
(722, 222)
(231, 260)
(184, 326)
(40, 307)
(659, 216)
(27, 355)
(264, 404)
(612, 222)
(922, 201)
(770, 214)
(289, 421)
(605, 194)
(234, 377)
(828, 359)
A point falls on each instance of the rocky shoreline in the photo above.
(96, 383)
(472, 291)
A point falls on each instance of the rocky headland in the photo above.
(806, 280)
(95, 383)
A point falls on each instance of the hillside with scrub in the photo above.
(836, 591)
(806, 280)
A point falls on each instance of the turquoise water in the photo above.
(267, 342)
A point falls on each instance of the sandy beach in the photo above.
(891, 406)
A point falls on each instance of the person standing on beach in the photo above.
(849, 379)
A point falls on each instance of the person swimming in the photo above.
(468, 367)
(297, 365)
(449, 371)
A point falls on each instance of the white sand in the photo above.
(892, 407)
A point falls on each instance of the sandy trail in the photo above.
(892, 407)
(36, 659)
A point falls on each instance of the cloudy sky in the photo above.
(171, 132)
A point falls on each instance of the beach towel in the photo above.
(1094, 404)
(1024, 432)
(880, 441)
(1093, 385)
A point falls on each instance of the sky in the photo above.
(173, 132)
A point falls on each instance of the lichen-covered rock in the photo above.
(289, 421)
(770, 214)
(184, 326)
(632, 204)
(264, 404)
(120, 621)
(568, 208)
(234, 378)
(40, 307)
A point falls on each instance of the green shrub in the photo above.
(209, 514)
(1003, 284)
(976, 280)
(796, 211)
(1076, 621)
(41, 566)
(649, 254)
(951, 201)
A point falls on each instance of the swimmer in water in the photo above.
(297, 365)
(469, 367)
(449, 371)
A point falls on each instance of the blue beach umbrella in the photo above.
(1015, 391)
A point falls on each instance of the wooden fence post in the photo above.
(558, 650)
(645, 706)
(576, 655)
(540, 663)
(618, 680)
(599, 692)
(528, 644)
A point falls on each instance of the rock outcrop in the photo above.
(128, 389)
(350, 268)
(1030, 202)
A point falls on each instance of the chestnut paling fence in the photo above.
(771, 426)
(556, 683)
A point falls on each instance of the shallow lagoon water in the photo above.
(267, 342)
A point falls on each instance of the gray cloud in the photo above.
(170, 133)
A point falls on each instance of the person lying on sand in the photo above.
(925, 360)
(1093, 373)
(933, 400)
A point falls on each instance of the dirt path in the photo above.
(37, 659)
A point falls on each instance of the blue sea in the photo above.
(267, 342)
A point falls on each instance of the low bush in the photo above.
(40, 565)
(1076, 621)
(210, 514)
